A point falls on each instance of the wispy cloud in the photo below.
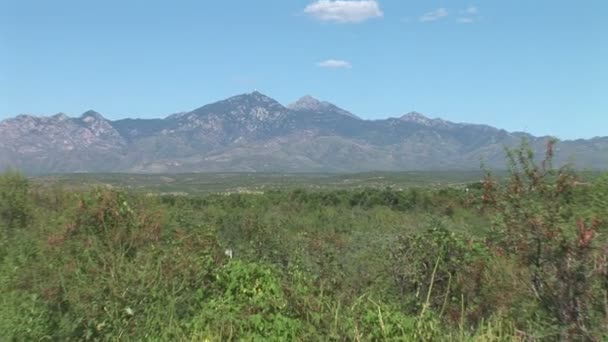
(344, 11)
(469, 15)
(470, 10)
(434, 15)
(466, 20)
(335, 64)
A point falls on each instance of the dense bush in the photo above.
(518, 259)
(444, 271)
(559, 242)
(15, 208)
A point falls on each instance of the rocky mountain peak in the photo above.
(60, 117)
(421, 119)
(309, 103)
(91, 116)
(416, 117)
(251, 106)
(96, 124)
(254, 98)
(21, 117)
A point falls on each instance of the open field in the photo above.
(201, 183)
(207, 183)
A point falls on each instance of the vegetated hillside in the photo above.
(255, 133)
(523, 259)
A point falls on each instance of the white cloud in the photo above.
(334, 64)
(434, 15)
(469, 15)
(470, 10)
(344, 11)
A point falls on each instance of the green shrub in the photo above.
(358, 264)
(247, 303)
(442, 270)
(539, 221)
(15, 206)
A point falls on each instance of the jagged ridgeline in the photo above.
(253, 132)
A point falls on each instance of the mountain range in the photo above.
(255, 133)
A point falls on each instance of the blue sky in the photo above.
(539, 66)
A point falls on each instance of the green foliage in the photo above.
(562, 245)
(24, 317)
(15, 209)
(247, 302)
(355, 264)
(442, 270)
(599, 197)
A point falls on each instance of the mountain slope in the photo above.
(253, 132)
(61, 144)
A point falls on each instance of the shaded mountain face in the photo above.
(253, 132)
